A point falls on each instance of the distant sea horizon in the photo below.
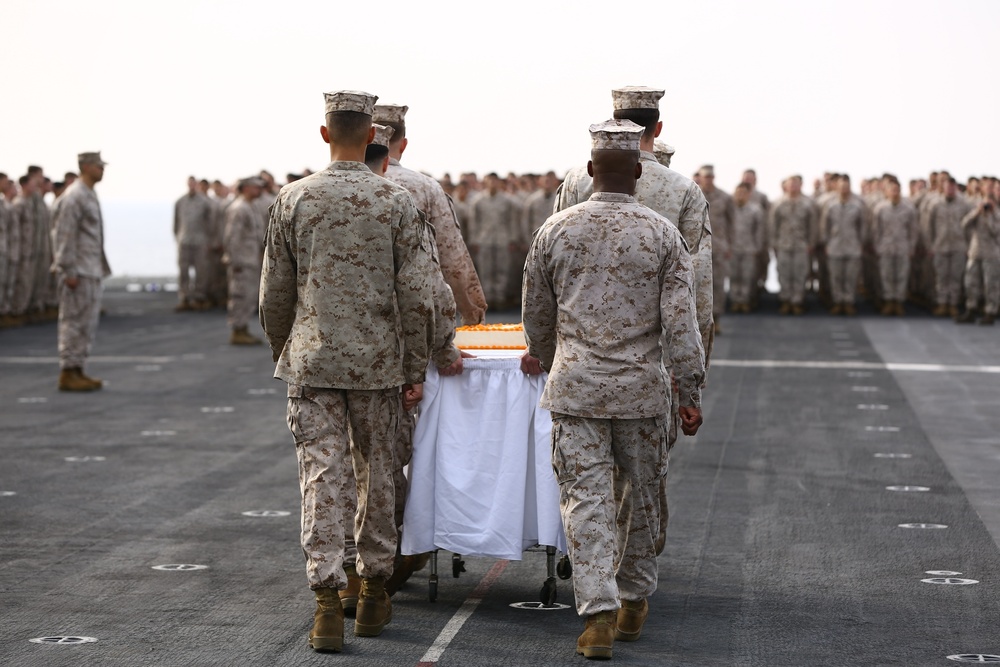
(139, 238)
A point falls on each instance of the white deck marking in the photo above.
(853, 365)
(96, 360)
(449, 631)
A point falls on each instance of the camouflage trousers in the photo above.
(844, 278)
(895, 273)
(720, 271)
(587, 455)
(344, 442)
(244, 282)
(949, 268)
(982, 281)
(793, 270)
(79, 312)
(743, 278)
(192, 257)
(402, 452)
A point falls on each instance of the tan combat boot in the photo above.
(327, 632)
(95, 382)
(243, 337)
(598, 635)
(349, 595)
(631, 616)
(374, 608)
(71, 379)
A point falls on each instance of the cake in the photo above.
(490, 337)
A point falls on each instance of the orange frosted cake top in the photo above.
(491, 327)
(490, 337)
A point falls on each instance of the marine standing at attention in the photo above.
(347, 306)
(80, 265)
(242, 243)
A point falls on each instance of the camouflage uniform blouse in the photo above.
(603, 281)
(344, 249)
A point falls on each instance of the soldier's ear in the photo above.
(325, 133)
(638, 170)
(371, 134)
(590, 168)
(659, 128)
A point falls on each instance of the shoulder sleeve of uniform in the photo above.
(278, 282)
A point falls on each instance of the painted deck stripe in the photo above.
(96, 360)
(852, 365)
(434, 653)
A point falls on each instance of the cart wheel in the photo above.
(564, 569)
(548, 594)
(432, 588)
(457, 565)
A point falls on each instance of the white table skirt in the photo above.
(481, 481)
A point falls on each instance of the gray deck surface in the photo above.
(784, 544)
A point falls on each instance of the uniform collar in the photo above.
(617, 197)
(348, 165)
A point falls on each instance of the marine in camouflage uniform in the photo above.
(605, 282)
(193, 219)
(448, 360)
(347, 306)
(841, 230)
(493, 230)
(680, 200)
(982, 272)
(430, 198)
(80, 265)
(947, 247)
(23, 210)
(894, 236)
(747, 238)
(792, 230)
(242, 242)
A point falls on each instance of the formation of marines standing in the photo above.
(28, 291)
(932, 247)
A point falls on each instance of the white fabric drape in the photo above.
(481, 481)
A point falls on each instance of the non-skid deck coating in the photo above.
(784, 543)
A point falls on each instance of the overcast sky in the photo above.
(223, 89)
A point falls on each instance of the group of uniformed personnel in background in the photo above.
(939, 247)
(837, 244)
(28, 293)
